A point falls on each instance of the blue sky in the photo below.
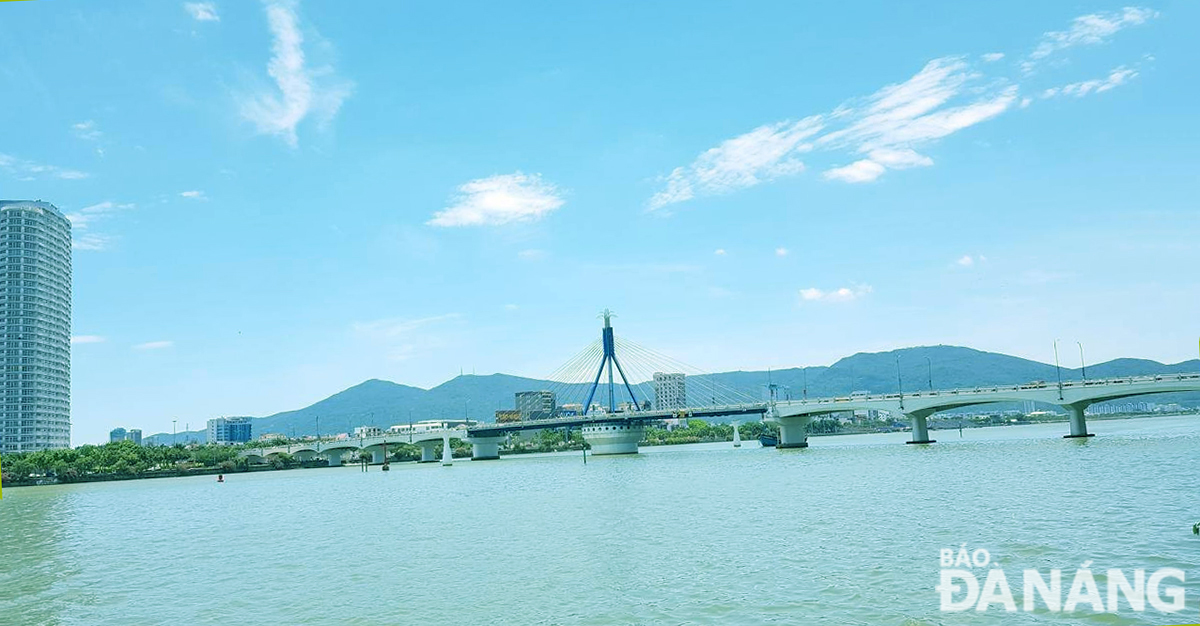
(275, 200)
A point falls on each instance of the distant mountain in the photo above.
(383, 403)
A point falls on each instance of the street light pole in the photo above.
(1082, 363)
(804, 374)
(929, 362)
(173, 442)
(1058, 369)
(899, 382)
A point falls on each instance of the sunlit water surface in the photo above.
(845, 532)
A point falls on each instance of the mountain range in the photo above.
(383, 403)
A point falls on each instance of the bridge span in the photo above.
(1075, 396)
(335, 451)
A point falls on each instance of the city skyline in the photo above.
(289, 197)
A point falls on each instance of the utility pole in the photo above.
(899, 382)
(929, 361)
(173, 442)
(804, 375)
(1082, 363)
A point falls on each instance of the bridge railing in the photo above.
(986, 389)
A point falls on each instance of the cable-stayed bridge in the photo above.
(614, 387)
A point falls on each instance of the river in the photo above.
(847, 531)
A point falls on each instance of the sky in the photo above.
(275, 200)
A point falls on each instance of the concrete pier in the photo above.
(485, 448)
(920, 428)
(429, 450)
(793, 431)
(1078, 423)
(613, 438)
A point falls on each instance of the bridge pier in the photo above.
(793, 431)
(335, 457)
(613, 438)
(485, 448)
(429, 450)
(1078, 423)
(920, 428)
(378, 456)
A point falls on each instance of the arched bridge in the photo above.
(335, 451)
(793, 416)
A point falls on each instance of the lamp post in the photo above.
(929, 362)
(1058, 369)
(899, 382)
(173, 432)
(1082, 363)
(804, 375)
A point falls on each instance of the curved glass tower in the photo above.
(35, 312)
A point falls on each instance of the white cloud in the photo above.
(719, 252)
(781, 251)
(532, 254)
(844, 294)
(1119, 76)
(968, 260)
(511, 307)
(402, 338)
(498, 200)
(87, 130)
(862, 171)
(94, 242)
(884, 130)
(300, 90)
(763, 154)
(154, 345)
(947, 95)
(28, 170)
(193, 195)
(82, 221)
(202, 11)
(78, 339)
(1090, 29)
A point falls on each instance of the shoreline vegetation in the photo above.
(125, 460)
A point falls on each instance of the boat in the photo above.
(768, 440)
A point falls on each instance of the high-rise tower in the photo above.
(35, 326)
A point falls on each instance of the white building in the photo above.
(229, 430)
(670, 391)
(35, 311)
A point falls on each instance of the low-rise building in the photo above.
(367, 431)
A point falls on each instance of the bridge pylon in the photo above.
(610, 359)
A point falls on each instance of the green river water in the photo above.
(847, 531)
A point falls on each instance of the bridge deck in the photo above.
(633, 417)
